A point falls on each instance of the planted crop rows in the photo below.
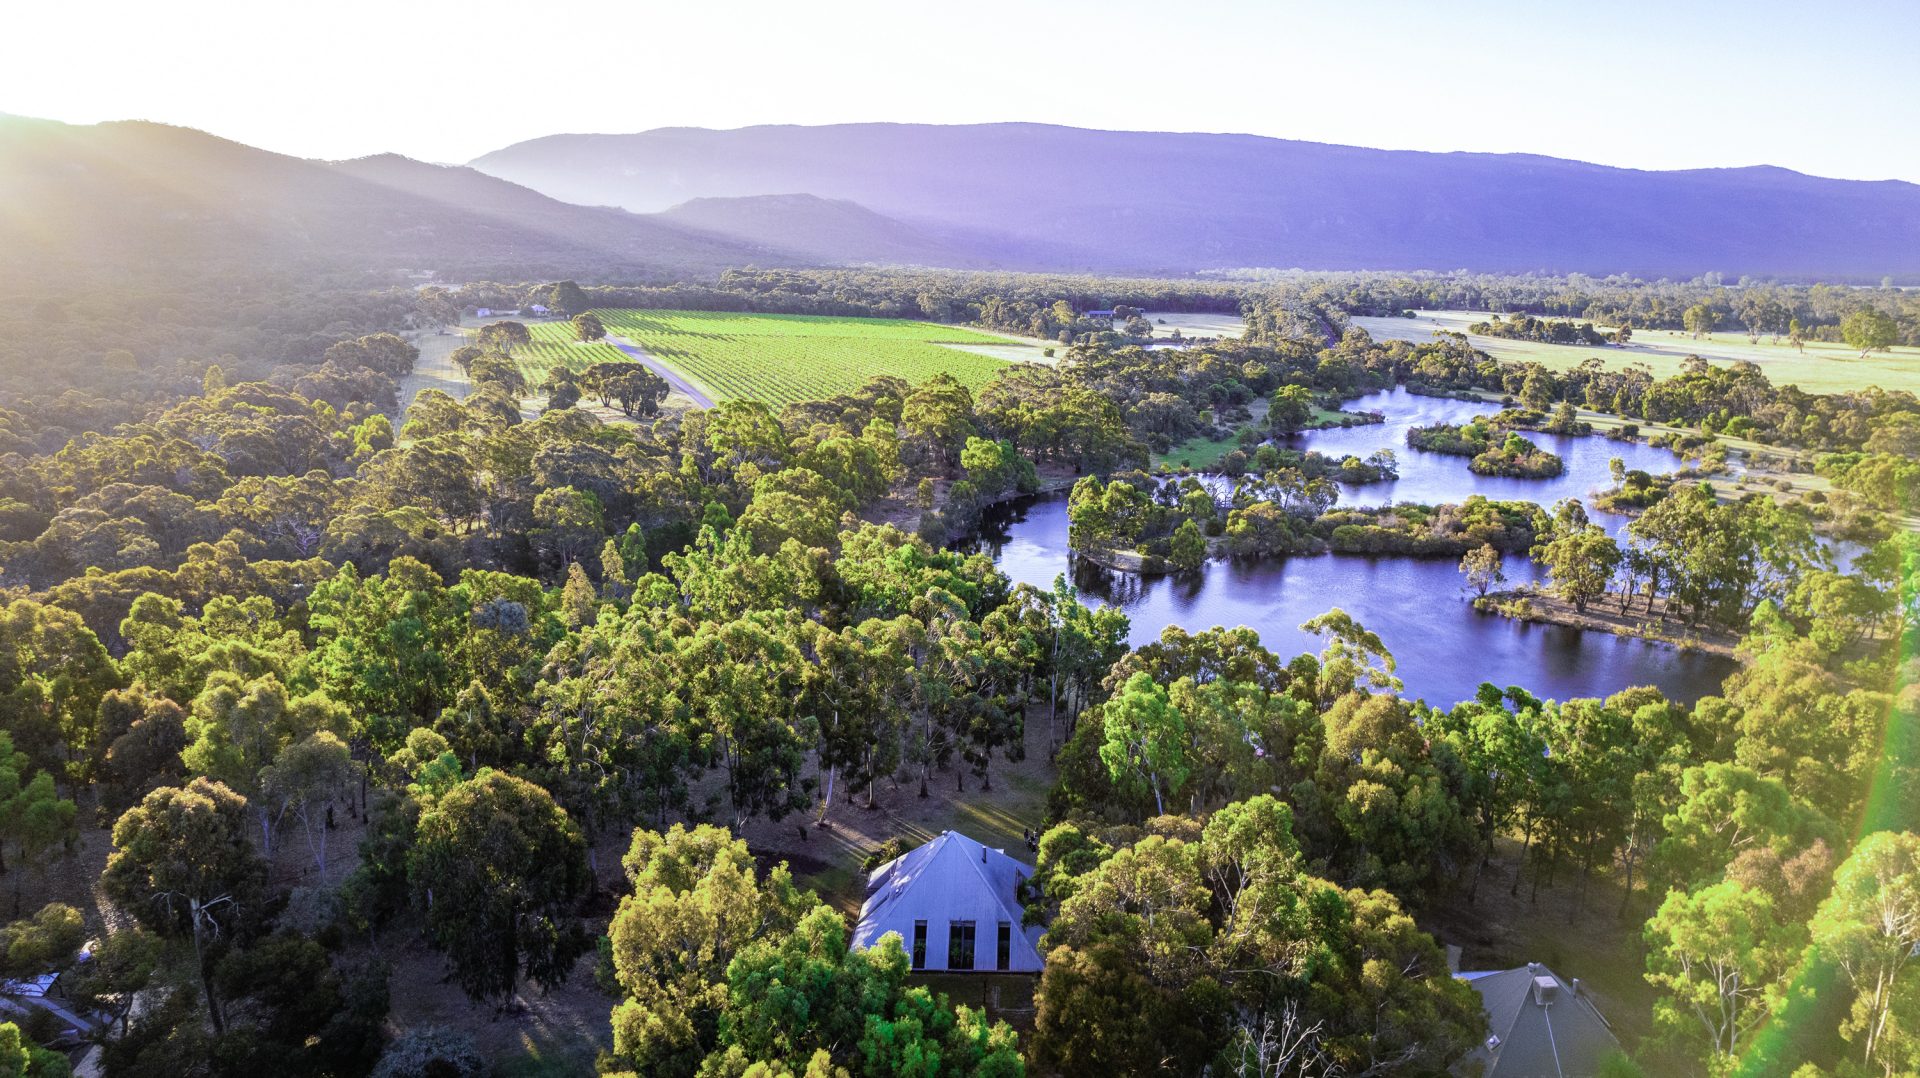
(554, 345)
(780, 358)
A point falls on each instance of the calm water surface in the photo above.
(1418, 606)
(1434, 478)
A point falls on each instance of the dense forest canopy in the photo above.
(247, 592)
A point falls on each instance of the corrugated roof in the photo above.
(29, 987)
(952, 878)
(1565, 1039)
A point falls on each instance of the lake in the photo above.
(1433, 478)
(1419, 606)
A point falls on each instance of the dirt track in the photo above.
(673, 377)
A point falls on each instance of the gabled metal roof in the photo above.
(1565, 1038)
(952, 878)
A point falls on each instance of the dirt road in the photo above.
(673, 377)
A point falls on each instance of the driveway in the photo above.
(673, 377)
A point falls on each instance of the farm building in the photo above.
(955, 904)
(483, 312)
(1541, 1027)
(539, 310)
(1108, 315)
(38, 999)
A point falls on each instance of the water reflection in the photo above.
(1418, 606)
(1433, 478)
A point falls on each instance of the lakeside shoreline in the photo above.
(1604, 615)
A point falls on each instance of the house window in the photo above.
(1005, 957)
(959, 944)
(919, 945)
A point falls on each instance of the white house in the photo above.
(955, 905)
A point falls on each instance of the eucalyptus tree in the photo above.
(497, 870)
(182, 866)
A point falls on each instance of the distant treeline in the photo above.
(934, 295)
(79, 360)
(1755, 307)
(1285, 305)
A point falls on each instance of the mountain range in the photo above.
(139, 198)
(1069, 198)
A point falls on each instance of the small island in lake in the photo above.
(1514, 456)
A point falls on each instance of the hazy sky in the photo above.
(1829, 88)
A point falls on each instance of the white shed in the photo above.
(955, 905)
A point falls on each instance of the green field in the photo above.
(1822, 368)
(781, 358)
(554, 345)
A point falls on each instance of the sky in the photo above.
(1827, 88)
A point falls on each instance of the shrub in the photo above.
(894, 847)
(431, 1052)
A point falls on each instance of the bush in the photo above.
(315, 912)
(431, 1052)
(1616, 1065)
(892, 848)
(933, 528)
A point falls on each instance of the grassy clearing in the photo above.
(1200, 452)
(554, 345)
(1013, 348)
(1202, 324)
(781, 358)
(434, 369)
(1822, 368)
(1327, 417)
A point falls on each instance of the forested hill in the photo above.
(829, 230)
(1155, 201)
(143, 199)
